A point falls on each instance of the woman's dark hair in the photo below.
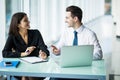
(16, 18)
(75, 11)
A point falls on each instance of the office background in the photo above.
(48, 17)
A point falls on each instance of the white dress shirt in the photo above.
(85, 37)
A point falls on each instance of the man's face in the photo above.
(69, 20)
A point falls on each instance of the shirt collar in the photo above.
(80, 29)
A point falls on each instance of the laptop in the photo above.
(76, 56)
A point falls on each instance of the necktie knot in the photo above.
(75, 33)
(75, 41)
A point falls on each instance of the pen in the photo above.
(27, 52)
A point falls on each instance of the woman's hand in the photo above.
(28, 51)
(42, 54)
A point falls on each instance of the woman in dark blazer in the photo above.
(22, 41)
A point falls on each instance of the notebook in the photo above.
(75, 56)
(13, 64)
(33, 59)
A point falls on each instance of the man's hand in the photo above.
(55, 50)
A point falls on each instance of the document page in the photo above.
(33, 59)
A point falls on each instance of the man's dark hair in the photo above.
(16, 18)
(75, 11)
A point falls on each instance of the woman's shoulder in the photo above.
(33, 30)
(10, 37)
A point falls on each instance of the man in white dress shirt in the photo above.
(84, 34)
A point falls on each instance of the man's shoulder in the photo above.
(88, 30)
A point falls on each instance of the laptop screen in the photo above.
(75, 56)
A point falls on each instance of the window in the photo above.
(48, 15)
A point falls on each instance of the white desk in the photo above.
(51, 69)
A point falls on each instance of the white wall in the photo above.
(116, 49)
(2, 26)
(116, 14)
(48, 16)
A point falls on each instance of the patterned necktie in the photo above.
(75, 41)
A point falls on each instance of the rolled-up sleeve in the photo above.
(97, 54)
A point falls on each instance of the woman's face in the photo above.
(24, 23)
